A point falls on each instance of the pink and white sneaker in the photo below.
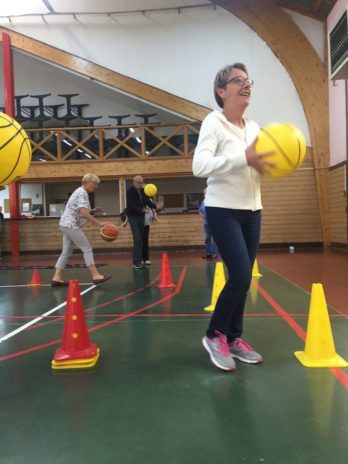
(241, 350)
(219, 353)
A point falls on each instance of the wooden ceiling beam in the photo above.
(317, 5)
(301, 10)
(108, 170)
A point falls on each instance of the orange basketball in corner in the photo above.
(109, 233)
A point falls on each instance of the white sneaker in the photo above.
(147, 262)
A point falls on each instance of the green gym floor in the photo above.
(154, 396)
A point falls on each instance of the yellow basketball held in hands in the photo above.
(15, 150)
(288, 143)
(150, 190)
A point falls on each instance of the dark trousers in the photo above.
(236, 233)
(210, 246)
(137, 227)
(145, 248)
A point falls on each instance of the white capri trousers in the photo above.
(73, 237)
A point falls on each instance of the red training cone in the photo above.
(76, 350)
(166, 277)
(36, 279)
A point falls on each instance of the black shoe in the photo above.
(138, 266)
(212, 256)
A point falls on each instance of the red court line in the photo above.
(342, 316)
(124, 316)
(176, 291)
(59, 318)
(341, 376)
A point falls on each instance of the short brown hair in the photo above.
(221, 78)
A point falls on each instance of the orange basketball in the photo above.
(109, 233)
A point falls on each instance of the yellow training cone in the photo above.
(319, 348)
(256, 272)
(253, 292)
(219, 283)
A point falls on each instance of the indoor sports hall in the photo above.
(154, 394)
(122, 115)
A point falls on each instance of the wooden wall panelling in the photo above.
(338, 204)
(285, 222)
(44, 234)
(291, 208)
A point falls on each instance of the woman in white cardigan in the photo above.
(226, 155)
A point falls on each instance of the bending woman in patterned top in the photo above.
(75, 214)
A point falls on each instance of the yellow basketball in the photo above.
(150, 190)
(15, 150)
(289, 145)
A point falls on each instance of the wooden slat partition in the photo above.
(43, 234)
(290, 215)
(291, 207)
(338, 204)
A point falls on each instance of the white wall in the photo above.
(34, 192)
(181, 53)
(170, 185)
(3, 195)
(106, 196)
(176, 185)
(35, 77)
(313, 29)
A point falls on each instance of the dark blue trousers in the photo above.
(210, 246)
(236, 233)
(137, 226)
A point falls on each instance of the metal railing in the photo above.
(113, 142)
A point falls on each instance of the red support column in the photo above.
(10, 110)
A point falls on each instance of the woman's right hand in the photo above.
(102, 224)
(256, 160)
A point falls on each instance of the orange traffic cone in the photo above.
(76, 350)
(36, 279)
(166, 277)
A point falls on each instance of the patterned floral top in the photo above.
(71, 216)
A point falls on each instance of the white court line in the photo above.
(28, 324)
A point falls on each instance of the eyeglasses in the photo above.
(240, 81)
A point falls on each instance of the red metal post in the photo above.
(10, 110)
